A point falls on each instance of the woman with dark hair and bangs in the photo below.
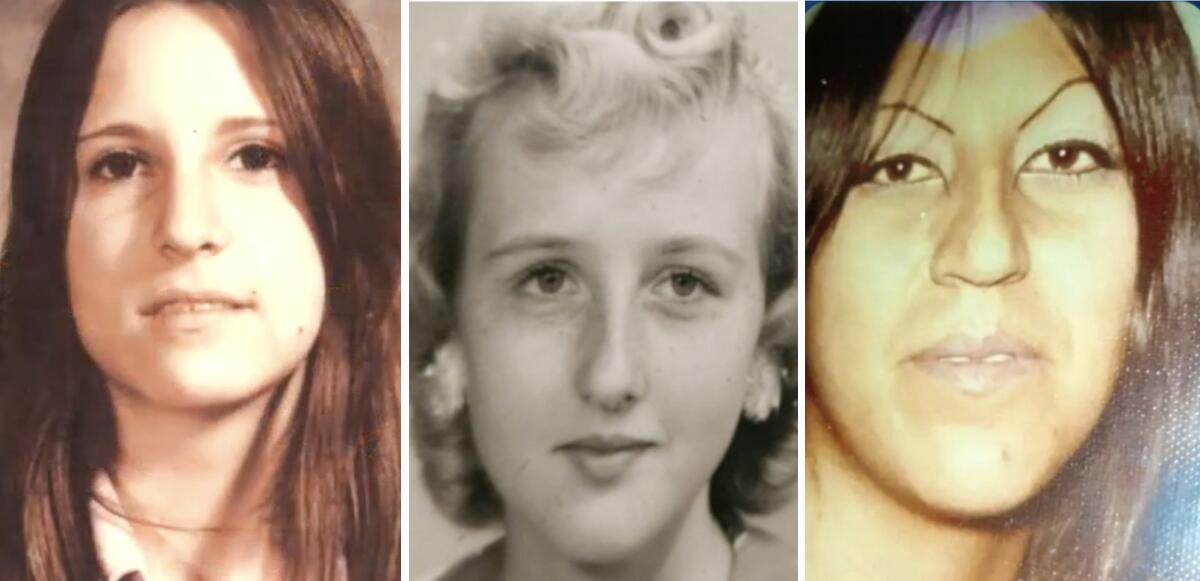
(199, 326)
(1000, 212)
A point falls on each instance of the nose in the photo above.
(984, 244)
(609, 374)
(190, 221)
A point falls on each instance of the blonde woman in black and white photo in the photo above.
(604, 295)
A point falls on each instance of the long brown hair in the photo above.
(1140, 61)
(337, 494)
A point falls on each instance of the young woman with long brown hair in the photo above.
(198, 299)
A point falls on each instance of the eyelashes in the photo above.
(557, 281)
(127, 163)
(905, 168)
(119, 165)
(1070, 158)
(258, 157)
(546, 280)
(686, 284)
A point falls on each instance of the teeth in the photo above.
(994, 359)
(194, 307)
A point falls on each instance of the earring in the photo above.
(763, 397)
(446, 377)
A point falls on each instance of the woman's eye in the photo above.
(257, 158)
(1069, 157)
(117, 165)
(546, 281)
(900, 169)
(685, 285)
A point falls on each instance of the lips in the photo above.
(605, 458)
(183, 302)
(979, 366)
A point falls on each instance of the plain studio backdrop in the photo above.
(771, 29)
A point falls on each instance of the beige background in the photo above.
(22, 23)
(772, 29)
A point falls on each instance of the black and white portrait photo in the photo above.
(603, 292)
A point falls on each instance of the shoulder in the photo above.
(759, 555)
(483, 565)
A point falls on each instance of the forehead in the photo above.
(718, 189)
(167, 56)
(645, 152)
(985, 56)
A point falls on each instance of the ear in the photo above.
(446, 381)
(765, 390)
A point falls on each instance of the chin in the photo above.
(974, 498)
(203, 389)
(598, 547)
(979, 484)
(602, 538)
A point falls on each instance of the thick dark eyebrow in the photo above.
(902, 106)
(1068, 84)
(526, 244)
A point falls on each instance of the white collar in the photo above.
(116, 545)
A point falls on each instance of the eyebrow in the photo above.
(672, 247)
(238, 124)
(528, 243)
(114, 130)
(1045, 104)
(902, 106)
(225, 127)
(692, 244)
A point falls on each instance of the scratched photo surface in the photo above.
(604, 295)
(200, 290)
(1002, 267)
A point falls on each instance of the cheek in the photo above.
(862, 286)
(1089, 280)
(290, 272)
(700, 378)
(99, 265)
(518, 375)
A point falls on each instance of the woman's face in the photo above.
(609, 325)
(968, 313)
(195, 279)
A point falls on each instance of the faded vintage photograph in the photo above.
(200, 290)
(604, 300)
(1002, 211)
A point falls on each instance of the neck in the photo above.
(693, 548)
(855, 530)
(223, 462)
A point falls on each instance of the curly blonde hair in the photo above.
(585, 76)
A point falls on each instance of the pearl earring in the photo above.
(763, 397)
(446, 379)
